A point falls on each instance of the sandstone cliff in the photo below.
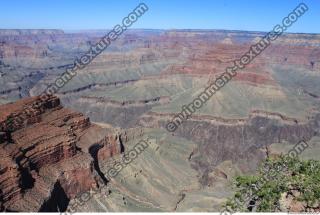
(45, 162)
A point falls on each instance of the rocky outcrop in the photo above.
(18, 115)
(9, 179)
(41, 161)
(110, 146)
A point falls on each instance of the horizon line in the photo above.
(155, 29)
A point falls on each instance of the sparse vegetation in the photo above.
(282, 184)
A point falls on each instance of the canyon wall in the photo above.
(42, 158)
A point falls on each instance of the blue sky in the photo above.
(162, 14)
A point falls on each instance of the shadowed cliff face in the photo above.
(58, 201)
(220, 140)
(219, 143)
(93, 150)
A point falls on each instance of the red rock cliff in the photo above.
(41, 160)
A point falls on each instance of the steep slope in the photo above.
(45, 160)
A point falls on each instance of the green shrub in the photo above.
(278, 176)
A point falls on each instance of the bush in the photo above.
(279, 180)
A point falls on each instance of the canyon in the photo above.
(46, 161)
(58, 148)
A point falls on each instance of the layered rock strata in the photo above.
(44, 161)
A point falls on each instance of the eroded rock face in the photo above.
(222, 139)
(109, 147)
(42, 167)
(9, 179)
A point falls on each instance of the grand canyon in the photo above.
(64, 148)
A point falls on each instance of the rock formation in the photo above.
(140, 83)
(41, 161)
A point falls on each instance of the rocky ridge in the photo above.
(44, 158)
